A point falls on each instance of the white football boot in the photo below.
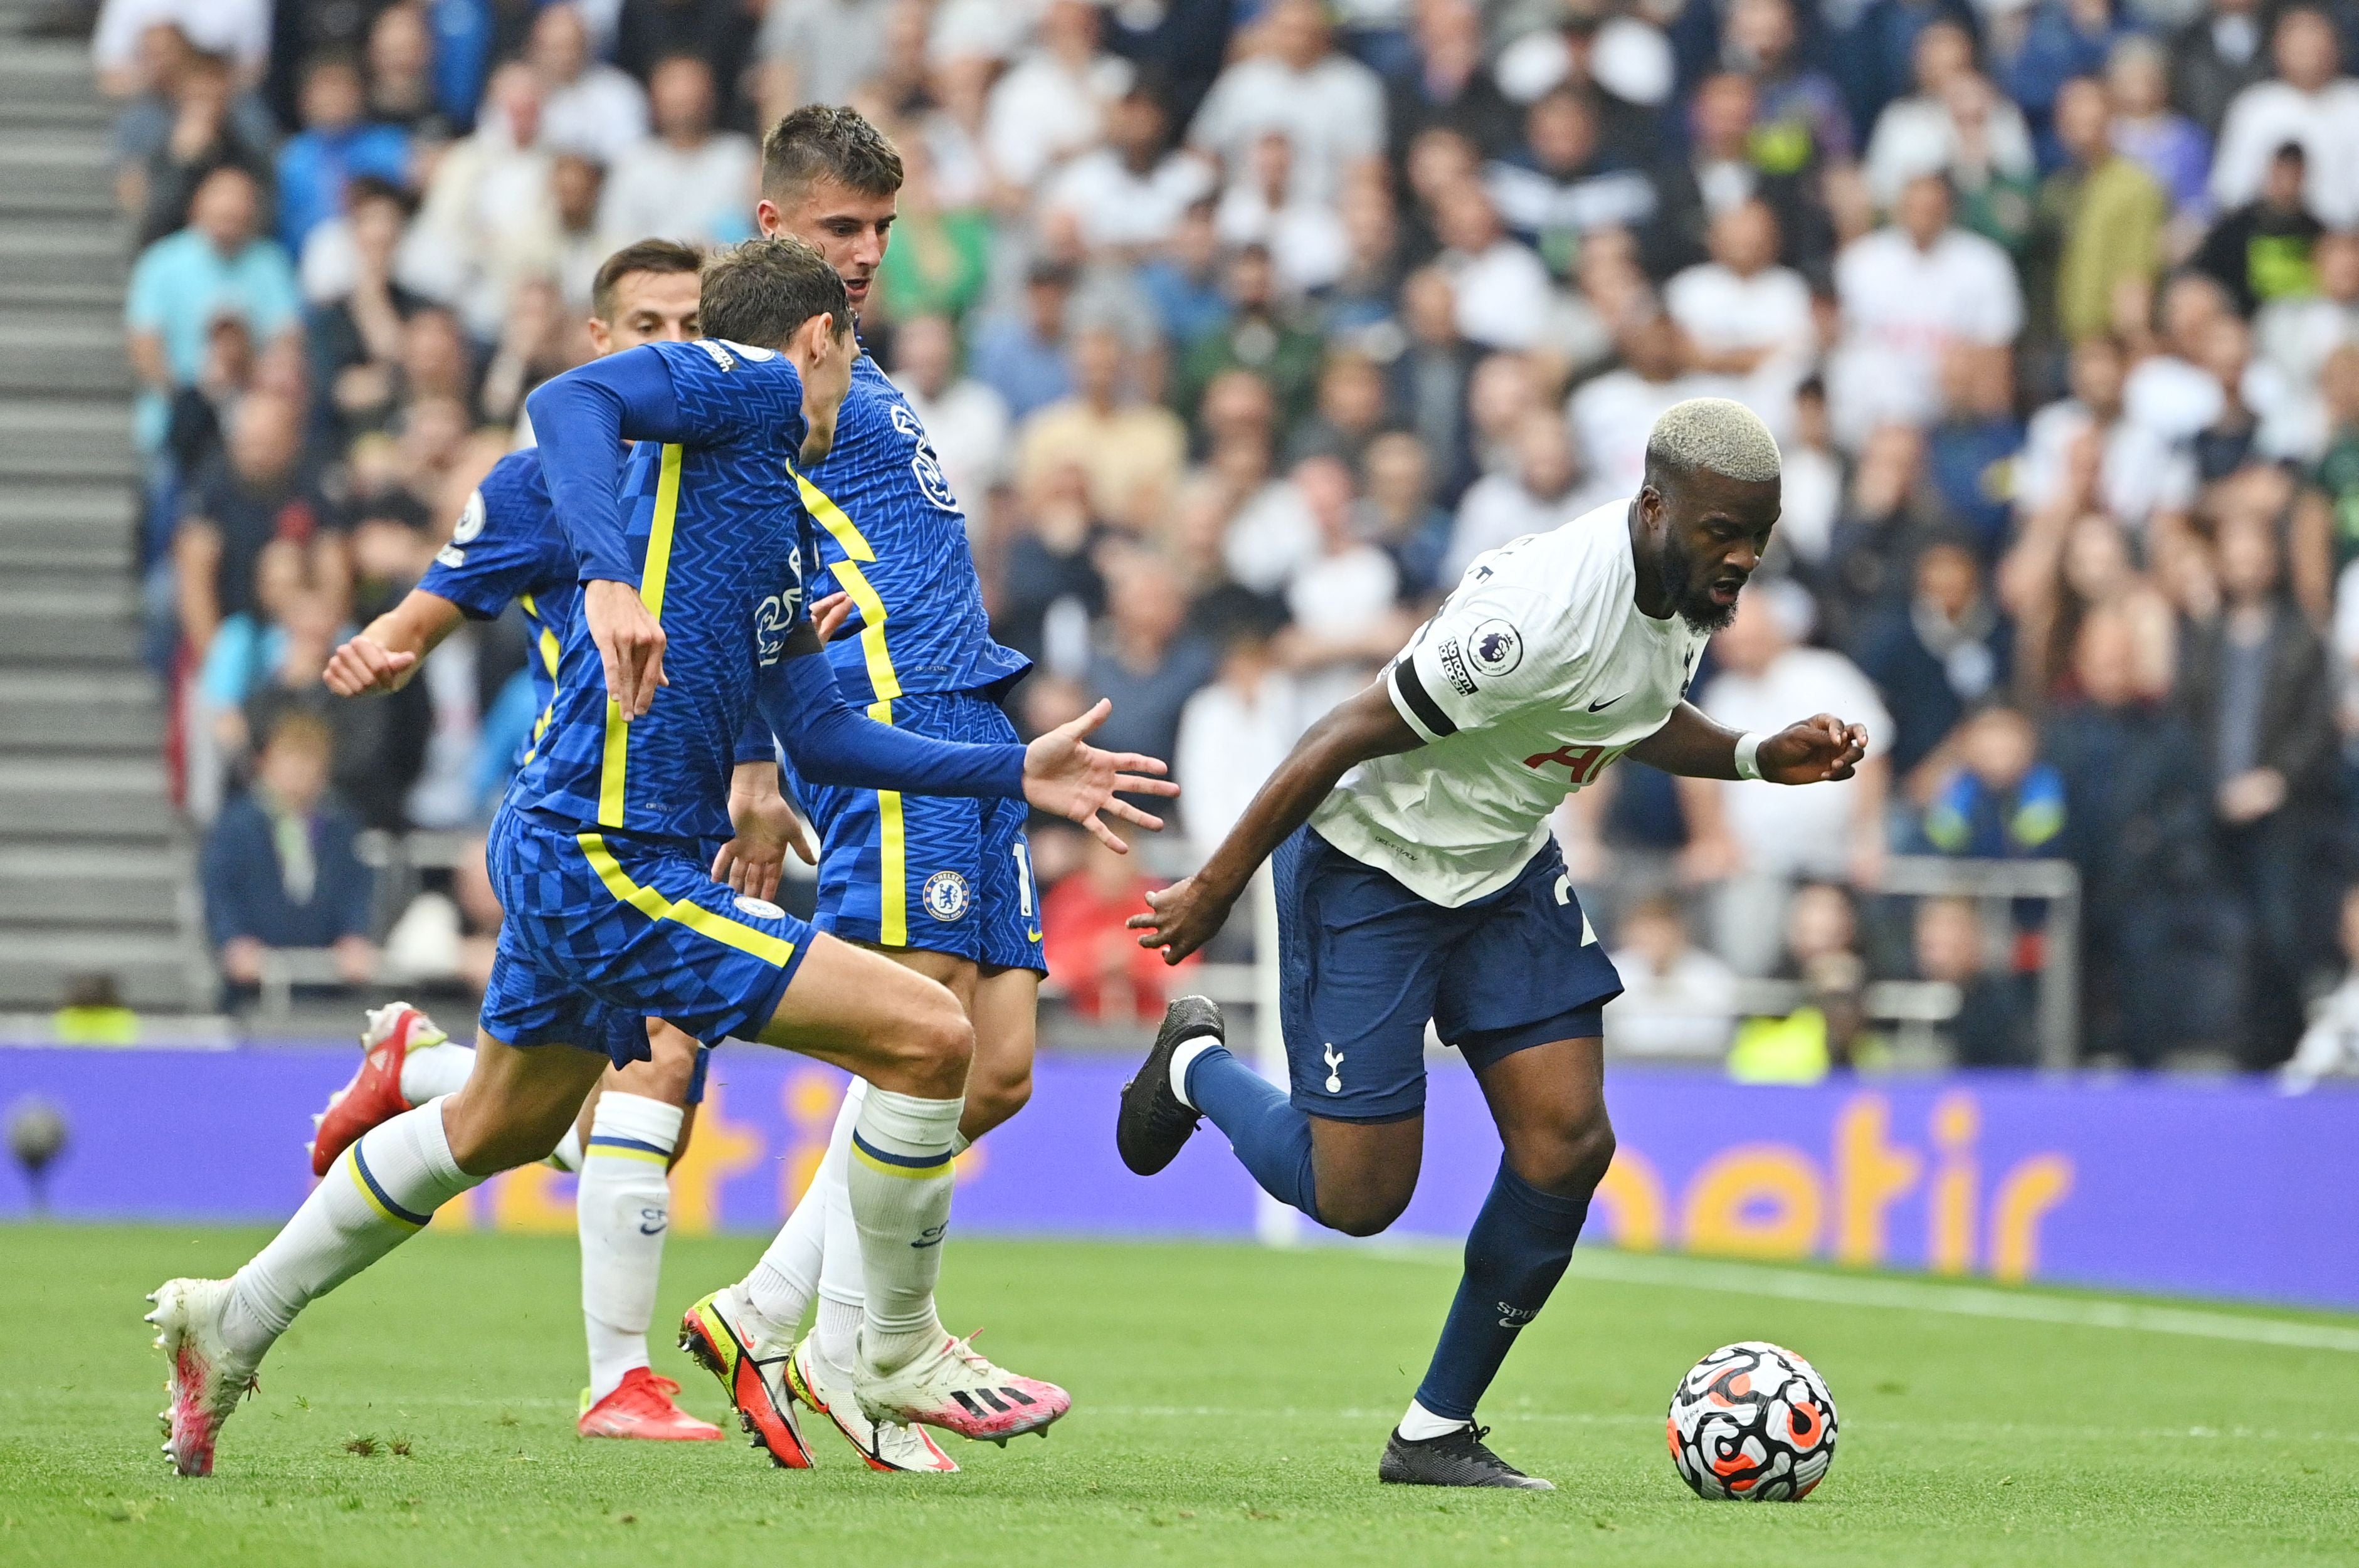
(207, 1377)
(955, 1387)
(884, 1445)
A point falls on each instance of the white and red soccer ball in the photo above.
(1752, 1422)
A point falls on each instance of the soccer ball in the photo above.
(1754, 1423)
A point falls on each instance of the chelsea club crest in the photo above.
(946, 896)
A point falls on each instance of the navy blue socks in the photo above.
(1515, 1255)
(1271, 1138)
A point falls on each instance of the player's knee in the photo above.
(484, 1146)
(1361, 1213)
(995, 1093)
(936, 1043)
(1569, 1159)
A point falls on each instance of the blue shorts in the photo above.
(947, 873)
(603, 932)
(1365, 963)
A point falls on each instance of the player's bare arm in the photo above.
(1818, 749)
(384, 655)
(1183, 916)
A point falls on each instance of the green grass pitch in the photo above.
(1230, 1404)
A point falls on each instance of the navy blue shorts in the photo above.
(1365, 963)
(947, 873)
(602, 932)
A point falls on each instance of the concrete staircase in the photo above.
(95, 865)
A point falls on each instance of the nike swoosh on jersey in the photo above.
(1600, 706)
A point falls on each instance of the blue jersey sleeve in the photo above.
(582, 418)
(828, 743)
(506, 544)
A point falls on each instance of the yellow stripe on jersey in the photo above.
(707, 922)
(848, 538)
(892, 857)
(549, 650)
(614, 771)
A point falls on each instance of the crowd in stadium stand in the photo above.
(1242, 328)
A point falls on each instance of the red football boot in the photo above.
(641, 1405)
(375, 1094)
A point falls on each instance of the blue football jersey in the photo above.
(718, 539)
(506, 549)
(892, 535)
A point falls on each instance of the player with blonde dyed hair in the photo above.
(1427, 888)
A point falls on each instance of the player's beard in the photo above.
(1695, 605)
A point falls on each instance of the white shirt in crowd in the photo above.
(2138, 473)
(1117, 207)
(1534, 677)
(238, 29)
(1810, 491)
(1309, 247)
(1499, 509)
(1723, 311)
(2266, 115)
(1504, 297)
(1613, 414)
(1687, 1012)
(1230, 742)
(602, 113)
(1918, 136)
(1334, 113)
(702, 193)
(1041, 112)
(1796, 832)
(1901, 308)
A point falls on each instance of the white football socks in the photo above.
(1183, 1056)
(433, 1071)
(899, 1181)
(1421, 1424)
(566, 1155)
(622, 1205)
(842, 1281)
(378, 1194)
(780, 1286)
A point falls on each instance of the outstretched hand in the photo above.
(630, 644)
(1067, 776)
(362, 665)
(1182, 917)
(1819, 749)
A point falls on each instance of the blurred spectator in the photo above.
(1452, 84)
(1232, 734)
(1544, 489)
(1800, 120)
(2256, 697)
(1265, 205)
(687, 181)
(818, 52)
(2066, 572)
(1149, 660)
(1330, 106)
(2261, 249)
(1719, 173)
(1677, 1001)
(1103, 971)
(1888, 518)
(2332, 505)
(1022, 357)
(1828, 1031)
(1052, 105)
(1258, 334)
(1921, 136)
(720, 33)
(1130, 450)
(1766, 839)
(1350, 412)
(1340, 595)
(2309, 104)
(2083, 451)
(1908, 292)
(2134, 820)
(2295, 336)
(1397, 511)
(1970, 455)
(1182, 283)
(2003, 803)
(2214, 58)
(218, 265)
(2329, 1045)
(2102, 213)
(1431, 377)
(1989, 1029)
(587, 105)
(2169, 145)
(966, 421)
(280, 869)
(205, 124)
(1503, 298)
(1612, 414)
(1560, 186)
(236, 30)
(940, 256)
(336, 144)
(1131, 192)
(489, 213)
(1937, 655)
(402, 88)
(1746, 315)
(260, 489)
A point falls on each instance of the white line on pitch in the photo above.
(1909, 1296)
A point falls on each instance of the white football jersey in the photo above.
(1532, 677)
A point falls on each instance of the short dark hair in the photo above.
(760, 292)
(823, 140)
(661, 256)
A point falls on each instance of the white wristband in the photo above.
(1748, 755)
